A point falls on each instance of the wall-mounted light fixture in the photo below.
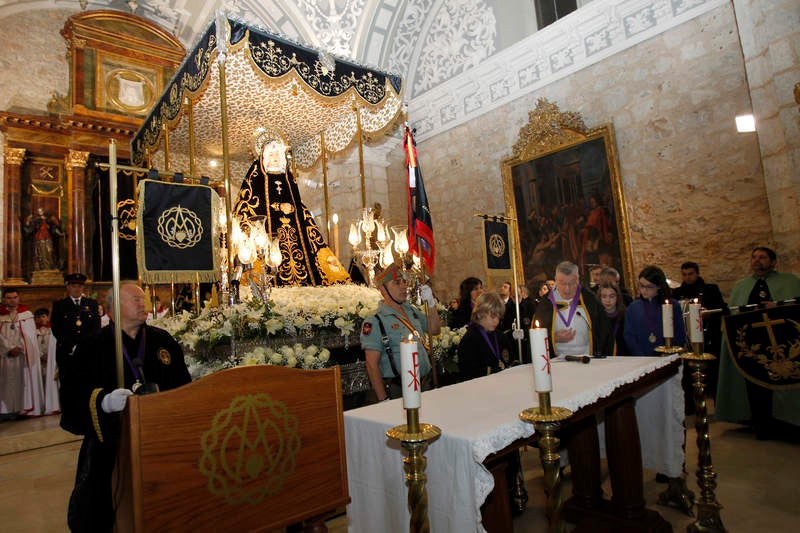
(745, 123)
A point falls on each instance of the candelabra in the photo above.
(708, 518)
(546, 419)
(368, 250)
(258, 255)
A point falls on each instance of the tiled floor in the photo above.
(757, 480)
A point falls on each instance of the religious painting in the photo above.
(562, 188)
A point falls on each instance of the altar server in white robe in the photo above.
(20, 367)
(47, 350)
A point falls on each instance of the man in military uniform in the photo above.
(394, 321)
(153, 360)
(73, 319)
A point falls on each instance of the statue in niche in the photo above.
(46, 231)
(269, 190)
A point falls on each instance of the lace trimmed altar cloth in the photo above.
(481, 416)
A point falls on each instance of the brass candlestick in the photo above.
(708, 519)
(414, 437)
(668, 348)
(545, 420)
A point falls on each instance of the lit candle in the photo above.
(695, 322)
(409, 371)
(336, 234)
(540, 355)
(666, 320)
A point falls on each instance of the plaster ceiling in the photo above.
(427, 42)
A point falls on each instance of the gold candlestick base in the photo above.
(668, 348)
(708, 518)
(546, 420)
(414, 437)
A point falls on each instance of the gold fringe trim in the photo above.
(179, 276)
(93, 410)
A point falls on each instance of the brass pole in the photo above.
(190, 112)
(197, 293)
(226, 170)
(361, 159)
(414, 438)
(708, 518)
(512, 242)
(325, 184)
(112, 193)
(546, 420)
(172, 293)
(166, 147)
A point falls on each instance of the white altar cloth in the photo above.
(480, 417)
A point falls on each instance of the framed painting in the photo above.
(562, 187)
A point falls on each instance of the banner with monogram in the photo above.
(127, 181)
(178, 238)
(496, 249)
(765, 346)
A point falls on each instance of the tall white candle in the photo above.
(410, 375)
(666, 320)
(336, 235)
(540, 356)
(695, 322)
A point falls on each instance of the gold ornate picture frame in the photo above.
(563, 188)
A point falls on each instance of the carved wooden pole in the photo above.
(76, 185)
(13, 189)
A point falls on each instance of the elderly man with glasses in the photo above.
(575, 319)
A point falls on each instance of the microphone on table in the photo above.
(585, 359)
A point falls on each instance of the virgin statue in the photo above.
(269, 190)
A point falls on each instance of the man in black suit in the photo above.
(710, 297)
(72, 320)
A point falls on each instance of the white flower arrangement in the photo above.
(292, 313)
(445, 347)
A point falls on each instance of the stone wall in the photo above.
(770, 35)
(33, 60)
(693, 187)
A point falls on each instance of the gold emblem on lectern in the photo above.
(250, 450)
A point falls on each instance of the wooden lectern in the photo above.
(246, 449)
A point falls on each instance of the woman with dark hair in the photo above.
(483, 350)
(611, 298)
(469, 291)
(643, 320)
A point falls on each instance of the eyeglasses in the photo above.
(647, 287)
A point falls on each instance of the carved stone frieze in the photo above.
(590, 34)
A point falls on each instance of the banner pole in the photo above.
(112, 194)
(512, 232)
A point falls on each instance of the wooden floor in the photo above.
(757, 480)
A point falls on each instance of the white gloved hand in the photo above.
(115, 401)
(518, 334)
(426, 294)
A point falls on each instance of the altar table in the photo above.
(480, 417)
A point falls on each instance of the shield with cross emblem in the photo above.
(765, 346)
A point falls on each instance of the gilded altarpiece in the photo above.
(118, 65)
